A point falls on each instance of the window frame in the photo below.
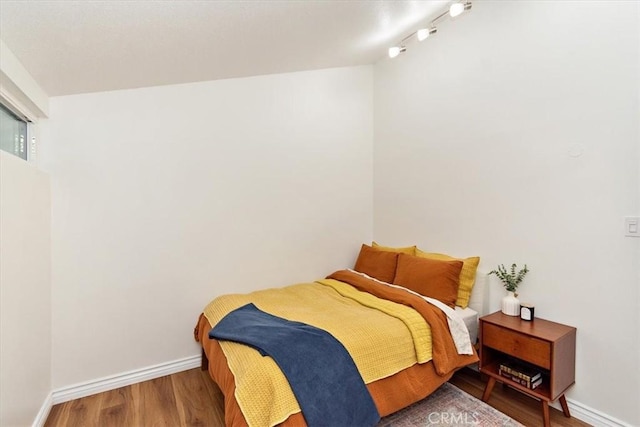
(23, 116)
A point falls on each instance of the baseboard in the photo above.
(100, 385)
(593, 416)
(43, 413)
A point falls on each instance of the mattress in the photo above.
(470, 317)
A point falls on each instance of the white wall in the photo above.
(513, 134)
(166, 197)
(25, 292)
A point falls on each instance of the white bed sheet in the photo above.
(470, 317)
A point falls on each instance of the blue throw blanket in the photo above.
(322, 375)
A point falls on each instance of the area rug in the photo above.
(449, 406)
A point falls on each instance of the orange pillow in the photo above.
(377, 264)
(431, 278)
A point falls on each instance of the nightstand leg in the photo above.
(488, 389)
(545, 413)
(565, 407)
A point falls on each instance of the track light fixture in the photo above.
(422, 34)
(457, 8)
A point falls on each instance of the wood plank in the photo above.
(155, 403)
(55, 416)
(115, 408)
(194, 400)
(84, 411)
(216, 399)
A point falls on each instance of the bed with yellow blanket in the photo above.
(400, 343)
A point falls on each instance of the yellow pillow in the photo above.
(467, 274)
(409, 250)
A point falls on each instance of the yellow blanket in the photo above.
(262, 391)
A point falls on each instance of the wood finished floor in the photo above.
(188, 398)
(191, 398)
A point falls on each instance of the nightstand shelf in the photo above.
(549, 346)
(541, 392)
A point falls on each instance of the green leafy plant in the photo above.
(510, 279)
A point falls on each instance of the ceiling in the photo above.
(79, 46)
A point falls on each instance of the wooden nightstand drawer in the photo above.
(519, 345)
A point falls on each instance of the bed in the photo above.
(382, 325)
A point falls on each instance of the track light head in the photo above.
(457, 8)
(396, 50)
(424, 33)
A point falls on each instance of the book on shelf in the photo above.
(520, 370)
(528, 384)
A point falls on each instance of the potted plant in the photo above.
(510, 279)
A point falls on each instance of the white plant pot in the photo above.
(511, 305)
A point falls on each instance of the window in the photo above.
(13, 133)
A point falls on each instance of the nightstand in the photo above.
(549, 346)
